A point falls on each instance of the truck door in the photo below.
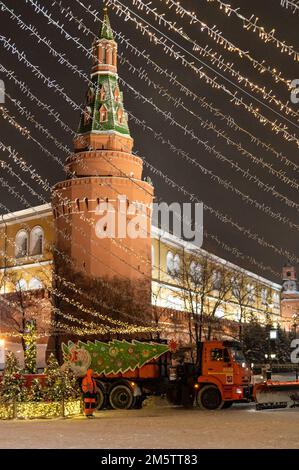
(217, 363)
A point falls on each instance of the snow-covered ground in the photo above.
(159, 427)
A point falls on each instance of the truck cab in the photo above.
(223, 376)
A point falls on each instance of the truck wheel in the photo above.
(121, 397)
(227, 404)
(100, 399)
(209, 398)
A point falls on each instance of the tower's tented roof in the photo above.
(106, 30)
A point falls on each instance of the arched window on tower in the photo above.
(103, 113)
(21, 244)
(36, 241)
(90, 95)
(116, 94)
(104, 55)
(34, 284)
(21, 285)
(102, 93)
(120, 114)
(86, 115)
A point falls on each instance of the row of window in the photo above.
(29, 243)
(103, 114)
(195, 270)
(33, 284)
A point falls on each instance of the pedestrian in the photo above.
(89, 388)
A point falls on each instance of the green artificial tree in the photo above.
(29, 339)
(70, 384)
(12, 385)
(36, 391)
(54, 380)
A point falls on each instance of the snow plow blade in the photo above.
(271, 395)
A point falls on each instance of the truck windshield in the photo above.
(237, 355)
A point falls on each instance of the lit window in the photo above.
(195, 271)
(216, 280)
(169, 262)
(21, 244)
(21, 285)
(235, 287)
(35, 283)
(276, 298)
(176, 265)
(250, 292)
(264, 295)
(36, 241)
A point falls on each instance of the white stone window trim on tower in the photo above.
(21, 244)
(37, 241)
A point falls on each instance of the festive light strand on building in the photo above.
(223, 66)
(82, 308)
(229, 120)
(275, 126)
(252, 24)
(217, 36)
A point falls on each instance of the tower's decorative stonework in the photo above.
(105, 171)
(289, 296)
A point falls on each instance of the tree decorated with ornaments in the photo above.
(12, 385)
(53, 385)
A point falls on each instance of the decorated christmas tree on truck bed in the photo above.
(110, 358)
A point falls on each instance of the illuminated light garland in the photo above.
(222, 65)
(251, 24)
(168, 117)
(288, 3)
(209, 125)
(31, 118)
(205, 124)
(220, 216)
(4, 113)
(224, 246)
(211, 149)
(277, 127)
(229, 120)
(225, 218)
(245, 199)
(215, 34)
(127, 327)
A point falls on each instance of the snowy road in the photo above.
(238, 427)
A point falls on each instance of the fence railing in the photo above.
(41, 409)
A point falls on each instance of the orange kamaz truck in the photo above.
(128, 372)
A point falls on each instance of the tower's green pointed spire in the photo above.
(106, 30)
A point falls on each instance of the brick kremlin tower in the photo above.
(108, 176)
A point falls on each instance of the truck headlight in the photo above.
(239, 391)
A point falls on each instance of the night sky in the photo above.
(271, 15)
